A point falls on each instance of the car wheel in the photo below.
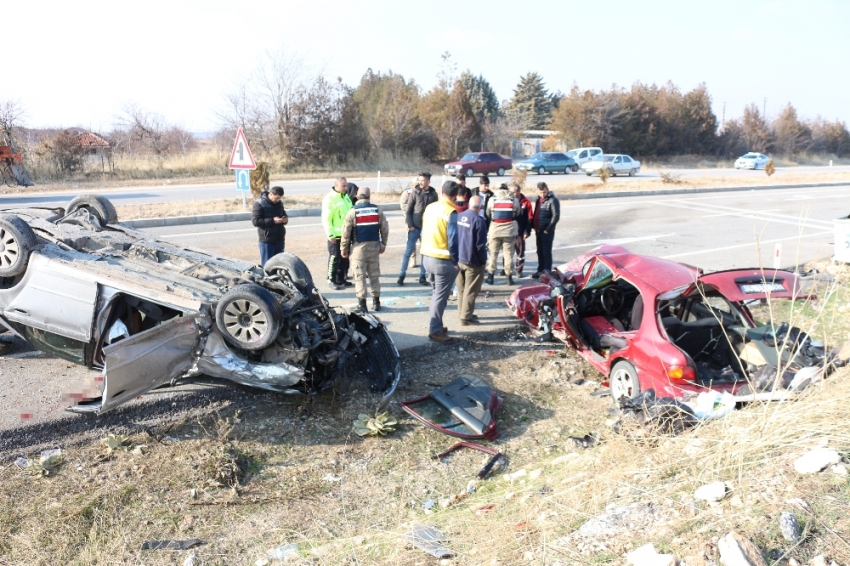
(589, 173)
(631, 172)
(17, 240)
(623, 381)
(501, 172)
(470, 172)
(574, 168)
(297, 270)
(541, 170)
(98, 205)
(249, 317)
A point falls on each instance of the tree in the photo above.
(389, 109)
(531, 102)
(148, 129)
(586, 118)
(482, 97)
(754, 131)
(790, 135)
(830, 137)
(66, 152)
(11, 113)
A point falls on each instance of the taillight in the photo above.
(679, 372)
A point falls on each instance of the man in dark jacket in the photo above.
(270, 219)
(486, 194)
(547, 212)
(523, 220)
(472, 254)
(420, 197)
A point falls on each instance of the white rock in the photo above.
(534, 474)
(738, 551)
(818, 560)
(648, 556)
(564, 459)
(711, 492)
(817, 460)
(839, 470)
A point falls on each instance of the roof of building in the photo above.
(90, 139)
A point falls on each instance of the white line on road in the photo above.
(710, 250)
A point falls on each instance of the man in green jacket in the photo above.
(335, 206)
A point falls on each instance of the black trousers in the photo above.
(337, 265)
(544, 250)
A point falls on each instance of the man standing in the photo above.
(439, 255)
(547, 212)
(420, 197)
(471, 255)
(502, 209)
(486, 194)
(335, 206)
(366, 230)
(270, 219)
(526, 216)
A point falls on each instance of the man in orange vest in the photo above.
(440, 256)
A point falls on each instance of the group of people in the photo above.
(460, 233)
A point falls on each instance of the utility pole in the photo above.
(764, 109)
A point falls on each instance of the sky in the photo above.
(79, 63)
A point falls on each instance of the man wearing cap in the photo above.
(365, 231)
(526, 216)
(335, 206)
(420, 197)
(440, 256)
(270, 219)
(502, 209)
(472, 255)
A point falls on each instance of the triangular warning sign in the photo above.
(240, 157)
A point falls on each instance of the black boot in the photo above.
(489, 278)
(400, 280)
(361, 305)
(376, 304)
(510, 280)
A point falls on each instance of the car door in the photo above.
(584, 156)
(617, 164)
(559, 162)
(483, 164)
(148, 360)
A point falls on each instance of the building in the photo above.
(97, 151)
(532, 141)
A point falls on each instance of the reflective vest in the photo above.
(334, 207)
(367, 222)
(435, 229)
(503, 210)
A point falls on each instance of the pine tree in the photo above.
(481, 97)
(531, 104)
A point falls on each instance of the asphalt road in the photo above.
(714, 231)
(185, 193)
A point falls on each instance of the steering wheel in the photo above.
(612, 299)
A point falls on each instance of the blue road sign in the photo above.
(243, 180)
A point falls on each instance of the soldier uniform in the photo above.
(364, 238)
(501, 209)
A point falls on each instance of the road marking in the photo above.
(753, 215)
(736, 246)
(770, 217)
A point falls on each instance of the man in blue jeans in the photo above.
(420, 197)
(270, 219)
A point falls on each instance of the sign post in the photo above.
(242, 161)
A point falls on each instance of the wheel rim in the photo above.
(622, 384)
(469, 172)
(541, 170)
(245, 321)
(9, 248)
(501, 172)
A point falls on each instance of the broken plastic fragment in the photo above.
(429, 539)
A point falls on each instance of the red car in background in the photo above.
(646, 322)
(483, 163)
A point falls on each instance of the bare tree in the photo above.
(11, 113)
(148, 128)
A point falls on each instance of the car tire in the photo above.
(249, 317)
(501, 172)
(631, 172)
(17, 241)
(98, 205)
(623, 381)
(589, 174)
(574, 168)
(541, 170)
(470, 172)
(295, 267)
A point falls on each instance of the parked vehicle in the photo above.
(76, 284)
(646, 322)
(616, 164)
(483, 163)
(547, 162)
(752, 160)
(582, 155)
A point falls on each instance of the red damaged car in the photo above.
(646, 322)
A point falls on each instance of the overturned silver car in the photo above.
(77, 284)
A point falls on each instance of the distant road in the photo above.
(189, 192)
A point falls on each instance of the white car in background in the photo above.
(616, 164)
(582, 155)
(752, 160)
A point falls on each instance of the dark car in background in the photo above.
(479, 163)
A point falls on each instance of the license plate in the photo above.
(762, 287)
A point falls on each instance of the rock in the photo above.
(619, 519)
(789, 527)
(735, 550)
(817, 460)
(648, 556)
(711, 492)
(839, 470)
(818, 560)
(564, 459)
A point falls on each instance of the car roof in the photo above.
(660, 274)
